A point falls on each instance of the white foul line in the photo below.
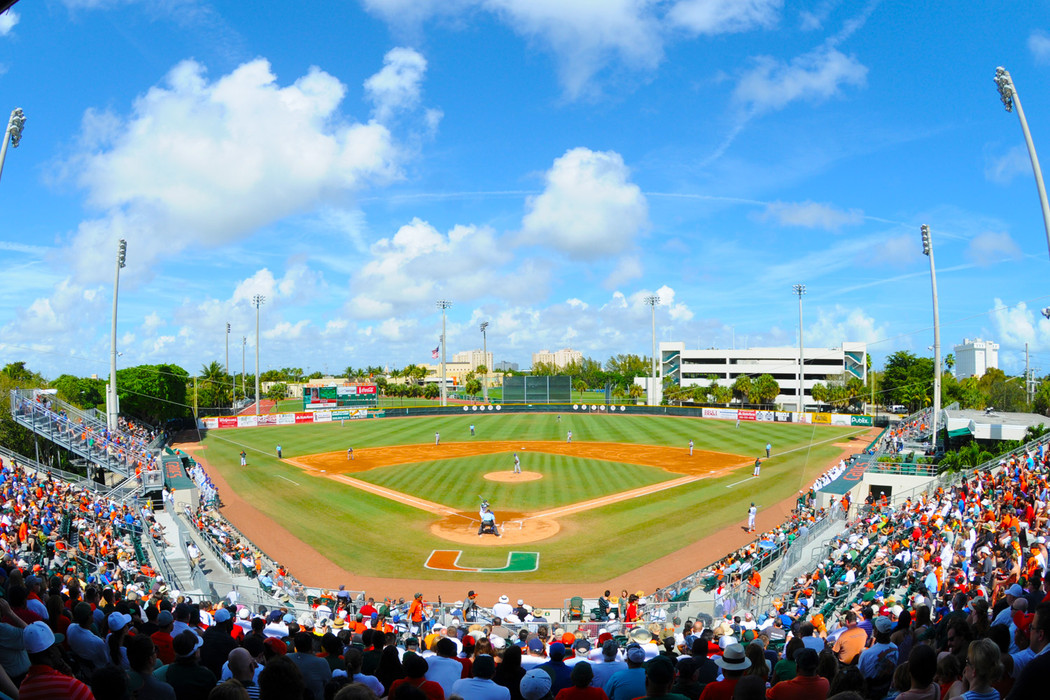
(740, 482)
(287, 479)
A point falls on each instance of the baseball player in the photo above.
(349, 453)
(751, 513)
(569, 438)
(690, 448)
(758, 466)
(517, 464)
(437, 438)
(244, 458)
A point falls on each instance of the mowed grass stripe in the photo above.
(460, 483)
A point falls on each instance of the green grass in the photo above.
(355, 529)
(458, 483)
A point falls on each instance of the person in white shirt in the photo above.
(443, 668)
(503, 608)
(481, 686)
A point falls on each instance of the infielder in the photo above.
(569, 438)
(758, 466)
(690, 448)
(751, 513)
(437, 438)
(349, 453)
(244, 459)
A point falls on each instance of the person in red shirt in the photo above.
(581, 677)
(806, 685)
(162, 638)
(733, 663)
(43, 682)
(415, 671)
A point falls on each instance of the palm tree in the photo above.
(580, 386)
(635, 391)
(742, 387)
(949, 362)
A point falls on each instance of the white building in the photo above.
(558, 358)
(975, 357)
(695, 367)
(474, 358)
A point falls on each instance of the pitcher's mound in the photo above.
(463, 529)
(511, 476)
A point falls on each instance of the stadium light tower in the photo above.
(258, 300)
(13, 134)
(652, 300)
(444, 305)
(244, 344)
(112, 402)
(485, 359)
(233, 388)
(1010, 98)
(800, 290)
(927, 250)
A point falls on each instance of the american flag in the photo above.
(434, 352)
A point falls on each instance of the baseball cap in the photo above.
(242, 614)
(484, 666)
(883, 624)
(635, 653)
(118, 621)
(221, 615)
(185, 643)
(535, 644)
(38, 637)
(534, 685)
(165, 618)
(276, 645)
(1015, 590)
(557, 651)
(660, 670)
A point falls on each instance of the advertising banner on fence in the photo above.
(782, 416)
(247, 421)
(710, 413)
(227, 421)
(821, 418)
(304, 418)
(745, 414)
(727, 413)
(209, 423)
(861, 420)
(838, 419)
(285, 418)
(322, 416)
(801, 417)
(764, 416)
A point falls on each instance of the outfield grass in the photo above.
(459, 483)
(369, 534)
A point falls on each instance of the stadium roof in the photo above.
(990, 424)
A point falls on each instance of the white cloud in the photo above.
(724, 16)
(1016, 325)
(1004, 168)
(1039, 45)
(409, 270)
(816, 75)
(839, 324)
(629, 268)
(897, 251)
(992, 247)
(201, 162)
(588, 208)
(8, 20)
(396, 87)
(811, 215)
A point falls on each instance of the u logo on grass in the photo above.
(517, 562)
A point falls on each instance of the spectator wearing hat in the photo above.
(444, 669)
(43, 680)
(415, 613)
(315, 670)
(534, 654)
(118, 624)
(217, 642)
(881, 653)
(470, 607)
(162, 638)
(536, 685)
(186, 675)
(415, 675)
(687, 678)
(481, 685)
(806, 685)
(502, 608)
(733, 663)
(559, 672)
(581, 689)
(609, 664)
(87, 647)
(521, 612)
(630, 682)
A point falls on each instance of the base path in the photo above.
(315, 570)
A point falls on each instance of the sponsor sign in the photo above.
(304, 418)
(357, 390)
(782, 416)
(247, 421)
(803, 417)
(727, 413)
(861, 420)
(745, 414)
(517, 562)
(227, 421)
(821, 418)
(765, 416)
(710, 413)
(285, 419)
(209, 423)
(322, 416)
(840, 419)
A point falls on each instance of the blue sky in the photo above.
(543, 164)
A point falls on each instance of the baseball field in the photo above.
(621, 499)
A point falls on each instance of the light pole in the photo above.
(112, 402)
(485, 359)
(258, 300)
(652, 300)
(233, 388)
(244, 343)
(1011, 99)
(444, 305)
(13, 134)
(800, 289)
(927, 250)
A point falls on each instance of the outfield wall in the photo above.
(734, 414)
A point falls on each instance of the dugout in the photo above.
(528, 389)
